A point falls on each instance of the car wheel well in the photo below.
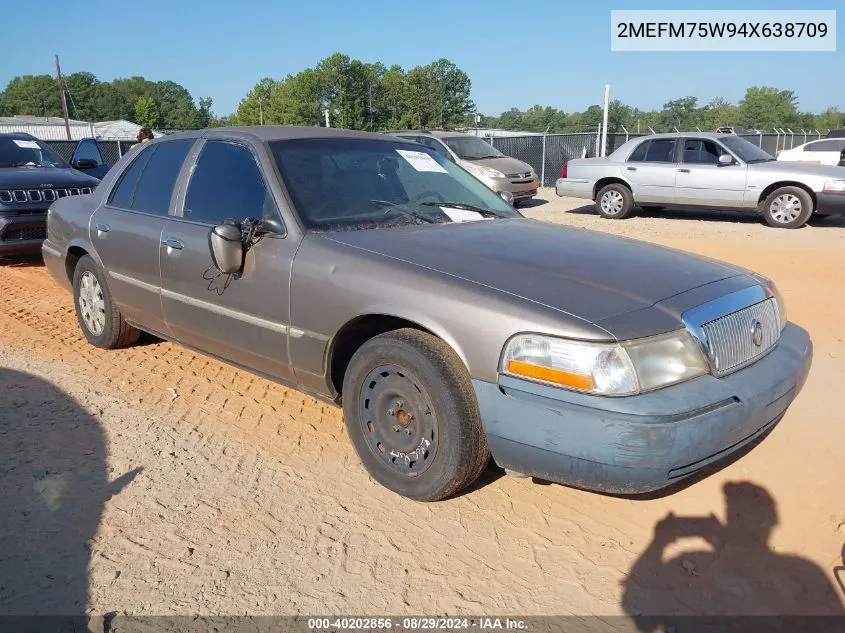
(787, 183)
(354, 334)
(74, 254)
(608, 181)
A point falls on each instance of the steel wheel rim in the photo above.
(92, 306)
(397, 420)
(786, 208)
(612, 202)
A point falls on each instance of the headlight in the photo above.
(607, 369)
(834, 186)
(482, 171)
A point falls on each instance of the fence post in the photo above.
(760, 139)
(543, 166)
(119, 150)
(624, 129)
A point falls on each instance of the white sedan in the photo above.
(827, 151)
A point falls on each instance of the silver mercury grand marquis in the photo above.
(377, 274)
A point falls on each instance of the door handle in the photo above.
(631, 168)
(102, 228)
(172, 242)
(684, 171)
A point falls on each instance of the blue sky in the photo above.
(516, 53)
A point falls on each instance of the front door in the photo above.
(651, 171)
(126, 232)
(703, 181)
(242, 318)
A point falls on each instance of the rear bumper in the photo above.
(21, 234)
(574, 188)
(830, 203)
(640, 443)
(54, 260)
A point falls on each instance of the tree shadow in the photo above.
(54, 488)
(736, 575)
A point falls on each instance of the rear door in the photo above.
(651, 170)
(241, 318)
(703, 181)
(126, 231)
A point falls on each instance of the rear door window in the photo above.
(661, 151)
(155, 186)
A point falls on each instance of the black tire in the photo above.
(787, 208)
(114, 331)
(615, 202)
(651, 208)
(413, 370)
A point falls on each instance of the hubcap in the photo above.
(785, 208)
(398, 422)
(92, 307)
(611, 202)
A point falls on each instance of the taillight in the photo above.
(563, 171)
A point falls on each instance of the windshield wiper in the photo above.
(392, 206)
(487, 213)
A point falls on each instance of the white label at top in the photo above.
(421, 161)
(26, 144)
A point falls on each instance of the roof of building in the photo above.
(26, 119)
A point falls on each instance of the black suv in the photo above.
(32, 177)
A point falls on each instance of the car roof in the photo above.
(267, 133)
(20, 135)
(707, 135)
(434, 133)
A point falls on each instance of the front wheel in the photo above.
(101, 321)
(411, 414)
(788, 208)
(615, 202)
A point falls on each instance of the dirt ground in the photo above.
(153, 480)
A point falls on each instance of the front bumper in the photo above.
(520, 190)
(20, 234)
(830, 203)
(640, 443)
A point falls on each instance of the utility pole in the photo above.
(260, 109)
(326, 112)
(604, 121)
(62, 95)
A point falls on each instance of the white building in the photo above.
(52, 128)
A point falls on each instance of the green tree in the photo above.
(36, 95)
(766, 107)
(681, 113)
(147, 111)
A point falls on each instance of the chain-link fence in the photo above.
(112, 151)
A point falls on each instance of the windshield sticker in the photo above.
(462, 215)
(26, 144)
(421, 161)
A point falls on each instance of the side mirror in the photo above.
(507, 196)
(726, 159)
(227, 248)
(85, 163)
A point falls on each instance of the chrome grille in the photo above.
(730, 338)
(23, 196)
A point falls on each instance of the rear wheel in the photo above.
(101, 321)
(788, 208)
(614, 202)
(411, 414)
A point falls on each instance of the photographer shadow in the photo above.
(738, 575)
(54, 485)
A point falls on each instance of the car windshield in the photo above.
(471, 147)
(27, 152)
(349, 184)
(748, 152)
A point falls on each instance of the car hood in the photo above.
(588, 274)
(44, 178)
(504, 164)
(831, 171)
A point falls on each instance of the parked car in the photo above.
(701, 170)
(731, 129)
(482, 160)
(840, 133)
(375, 273)
(32, 177)
(822, 152)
